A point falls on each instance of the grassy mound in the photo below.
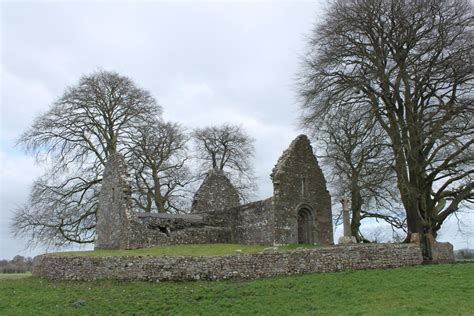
(422, 290)
(183, 250)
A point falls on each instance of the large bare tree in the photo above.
(91, 120)
(230, 149)
(412, 63)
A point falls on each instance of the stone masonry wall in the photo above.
(254, 223)
(217, 216)
(237, 266)
(151, 229)
(298, 183)
(142, 237)
(442, 252)
(215, 193)
(113, 212)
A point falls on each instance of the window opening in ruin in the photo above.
(303, 186)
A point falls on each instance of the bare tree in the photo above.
(158, 159)
(90, 121)
(411, 62)
(358, 161)
(230, 149)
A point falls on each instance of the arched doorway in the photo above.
(305, 226)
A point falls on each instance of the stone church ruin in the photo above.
(298, 212)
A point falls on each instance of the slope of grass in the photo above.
(183, 250)
(422, 290)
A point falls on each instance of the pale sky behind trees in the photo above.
(206, 63)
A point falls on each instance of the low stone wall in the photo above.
(442, 252)
(236, 266)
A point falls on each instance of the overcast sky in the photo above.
(205, 62)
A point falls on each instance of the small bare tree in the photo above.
(158, 159)
(73, 139)
(230, 149)
(358, 162)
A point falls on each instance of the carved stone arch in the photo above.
(306, 224)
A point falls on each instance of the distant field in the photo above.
(423, 290)
(14, 276)
(184, 250)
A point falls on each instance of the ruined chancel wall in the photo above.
(301, 201)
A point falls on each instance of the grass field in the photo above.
(422, 290)
(184, 250)
(14, 276)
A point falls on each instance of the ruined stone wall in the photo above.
(253, 223)
(442, 252)
(114, 206)
(148, 230)
(238, 266)
(298, 182)
(216, 212)
(142, 237)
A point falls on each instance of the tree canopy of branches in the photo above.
(410, 64)
(90, 121)
(158, 158)
(358, 162)
(230, 149)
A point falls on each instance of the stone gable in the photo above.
(301, 202)
(216, 193)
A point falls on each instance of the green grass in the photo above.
(183, 250)
(423, 290)
(14, 276)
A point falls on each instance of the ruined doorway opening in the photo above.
(305, 226)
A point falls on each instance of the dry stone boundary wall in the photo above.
(236, 266)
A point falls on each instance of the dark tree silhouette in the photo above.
(410, 63)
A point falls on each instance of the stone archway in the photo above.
(305, 226)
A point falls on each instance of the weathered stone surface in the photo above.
(442, 252)
(300, 199)
(237, 266)
(298, 212)
(142, 236)
(151, 229)
(170, 221)
(254, 223)
(346, 240)
(216, 193)
(113, 214)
